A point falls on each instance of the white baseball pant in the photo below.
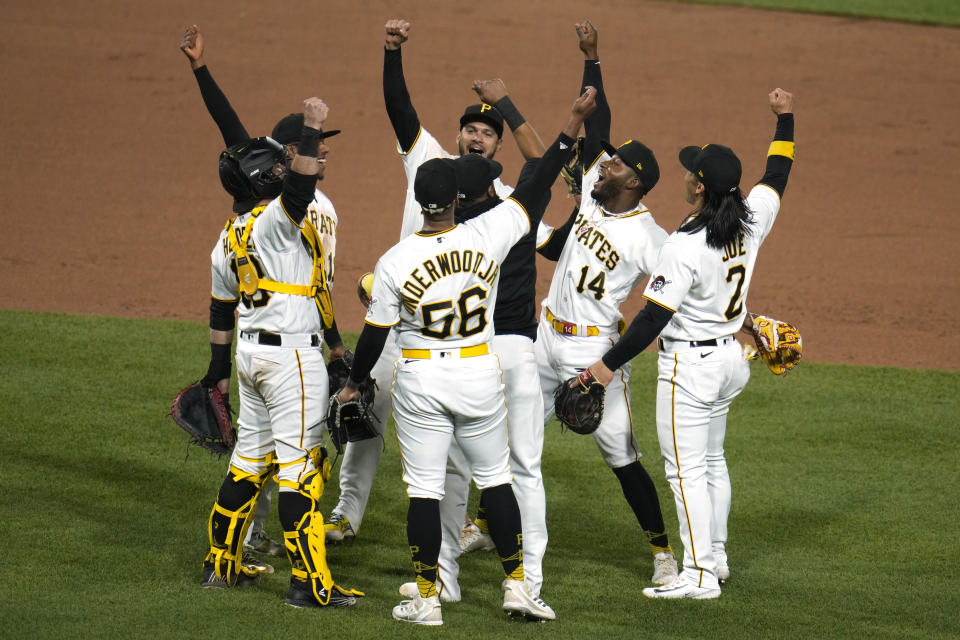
(525, 423)
(695, 388)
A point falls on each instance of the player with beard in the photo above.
(606, 249)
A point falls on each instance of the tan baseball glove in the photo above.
(778, 343)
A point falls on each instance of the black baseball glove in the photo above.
(580, 407)
(353, 420)
(204, 413)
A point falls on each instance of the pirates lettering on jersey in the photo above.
(734, 249)
(446, 264)
(594, 239)
(325, 224)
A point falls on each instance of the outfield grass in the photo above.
(841, 525)
(945, 12)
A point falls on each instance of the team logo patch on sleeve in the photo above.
(658, 283)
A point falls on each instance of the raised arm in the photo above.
(597, 126)
(781, 152)
(218, 106)
(495, 92)
(403, 117)
(300, 181)
(549, 166)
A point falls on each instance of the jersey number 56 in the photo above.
(472, 321)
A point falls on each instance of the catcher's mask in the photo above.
(253, 169)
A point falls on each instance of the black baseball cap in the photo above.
(290, 128)
(638, 157)
(475, 174)
(435, 186)
(484, 113)
(717, 167)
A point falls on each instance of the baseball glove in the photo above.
(352, 420)
(778, 343)
(204, 413)
(572, 171)
(580, 407)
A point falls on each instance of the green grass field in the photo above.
(841, 524)
(943, 12)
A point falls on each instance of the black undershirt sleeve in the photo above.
(403, 117)
(529, 192)
(221, 111)
(222, 314)
(597, 126)
(297, 194)
(369, 347)
(553, 247)
(778, 167)
(332, 336)
(646, 326)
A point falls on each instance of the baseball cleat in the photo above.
(419, 611)
(473, 539)
(260, 543)
(300, 595)
(680, 588)
(723, 570)
(251, 561)
(664, 568)
(517, 600)
(211, 581)
(337, 528)
(410, 590)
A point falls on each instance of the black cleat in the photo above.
(300, 595)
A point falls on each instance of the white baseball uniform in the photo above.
(701, 371)
(605, 256)
(439, 289)
(524, 405)
(361, 459)
(283, 389)
(324, 218)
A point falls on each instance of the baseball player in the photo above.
(602, 253)
(515, 329)
(481, 129)
(272, 257)
(481, 132)
(696, 301)
(437, 287)
(320, 211)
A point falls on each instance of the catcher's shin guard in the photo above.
(228, 523)
(306, 549)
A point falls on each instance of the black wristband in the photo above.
(509, 112)
(309, 142)
(220, 365)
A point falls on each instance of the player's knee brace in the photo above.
(230, 518)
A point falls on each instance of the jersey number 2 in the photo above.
(479, 314)
(736, 305)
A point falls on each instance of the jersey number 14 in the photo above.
(597, 284)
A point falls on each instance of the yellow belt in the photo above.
(465, 352)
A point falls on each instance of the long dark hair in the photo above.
(724, 215)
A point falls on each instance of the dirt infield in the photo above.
(118, 205)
